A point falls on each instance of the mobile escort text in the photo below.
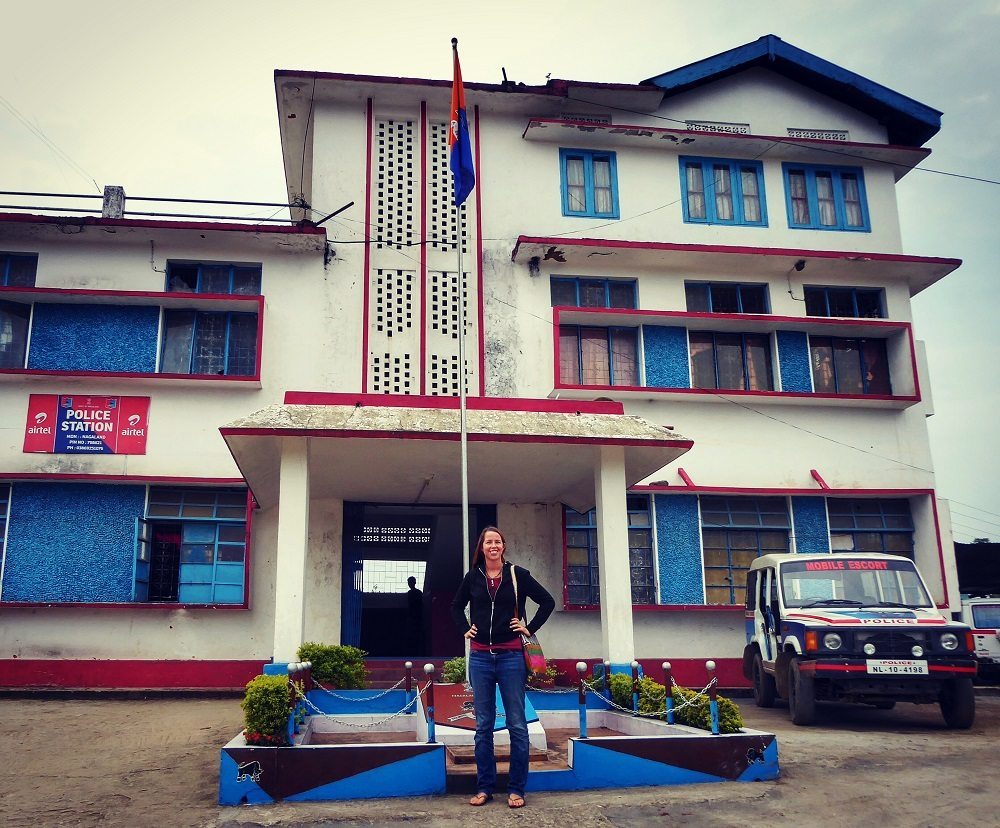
(853, 628)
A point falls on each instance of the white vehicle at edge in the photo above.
(983, 615)
(853, 627)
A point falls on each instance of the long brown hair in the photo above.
(479, 545)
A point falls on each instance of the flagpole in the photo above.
(457, 104)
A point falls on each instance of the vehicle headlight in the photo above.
(949, 641)
(869, 648)
(917, 651)
(832, 641)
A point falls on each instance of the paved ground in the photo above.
(155, 763)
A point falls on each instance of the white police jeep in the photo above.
(857, 627)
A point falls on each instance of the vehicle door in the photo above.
(765, 617)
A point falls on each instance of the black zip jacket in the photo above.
(492, 617)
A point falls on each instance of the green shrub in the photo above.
(340, 665)
(265, 711)
(621, 690)
(699, 715)
(653, 699)
(453, 671)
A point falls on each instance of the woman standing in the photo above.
(496, 659)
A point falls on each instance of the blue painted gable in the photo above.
(908, 122)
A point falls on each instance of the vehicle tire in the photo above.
(884, 704)
(958, 703)
(764, 690)
(801, 695)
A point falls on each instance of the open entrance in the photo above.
(384, 546)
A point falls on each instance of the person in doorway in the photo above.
(496, 658)
(414, 618)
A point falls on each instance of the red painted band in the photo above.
(366, 276)
(422, 306)
(125, 478)
(128, 674)
(452, 403)
(480, 310)
(213, 226)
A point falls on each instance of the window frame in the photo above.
(740, 505)
(739, 286)
(610, 331)
(201, 266)
(7, 258)
(216, 520)
(589, 525)
(192, 346)
(588, 157)
(871, 508)
(836, 173)
(736, 166)
(578, 281)
(745, 361)
(861, 342)
(879, 293)
(7, 307)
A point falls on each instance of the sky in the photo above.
(177, 100)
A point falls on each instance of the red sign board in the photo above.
(81, 424)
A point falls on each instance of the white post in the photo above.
(293, 541)
(612, 545)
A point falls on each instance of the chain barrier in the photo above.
(559, 690)
(658, 714)
(363, 698)
(367, 726)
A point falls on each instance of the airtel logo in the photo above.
(41, 417)
(134, 420)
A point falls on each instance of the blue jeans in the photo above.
(505, 670)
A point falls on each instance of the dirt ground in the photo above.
(109, 762)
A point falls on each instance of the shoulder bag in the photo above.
(534, 659)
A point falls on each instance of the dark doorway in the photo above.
(164, 562)
(384, 546)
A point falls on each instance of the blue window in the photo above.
(203, 343)
(720, 191)
(191, 546)
(731, 360)
(589, 183)
(583, 586)
(204, 277)
(735, 531)
(726, 297)
(857, 303)
(870, 525)
(592, 293)
(598, 356)
(18, 269)
(826, 198)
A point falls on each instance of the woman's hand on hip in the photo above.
(471, 632)
(517, 625)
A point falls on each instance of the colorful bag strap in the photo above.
(513, 577)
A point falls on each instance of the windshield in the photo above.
(986, 616)
(852, 582)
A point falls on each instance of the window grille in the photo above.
(718, 126)
(820, 134)
(394, 183)
(443, 229)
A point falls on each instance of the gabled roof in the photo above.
(908, 122)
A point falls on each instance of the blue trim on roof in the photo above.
(908, 122)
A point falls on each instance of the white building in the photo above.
(715, 250)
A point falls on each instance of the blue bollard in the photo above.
(635, 688)
(668, 683)
(581, 668)
(429, 670)
(713, 704)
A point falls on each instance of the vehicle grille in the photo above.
(891, 642)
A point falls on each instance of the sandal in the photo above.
(515, 801)
(481, 798)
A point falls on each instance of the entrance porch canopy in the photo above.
(395, 448)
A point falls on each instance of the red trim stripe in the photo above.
(128, 674)
(366, 276)
(422, 308)
(480, 311)
(452, 403)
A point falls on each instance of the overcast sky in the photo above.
(177, 99)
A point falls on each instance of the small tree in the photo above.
(265, 711)
(341, 665)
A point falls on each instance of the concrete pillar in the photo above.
(114, 202)
(612, 544)
(293, 541)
